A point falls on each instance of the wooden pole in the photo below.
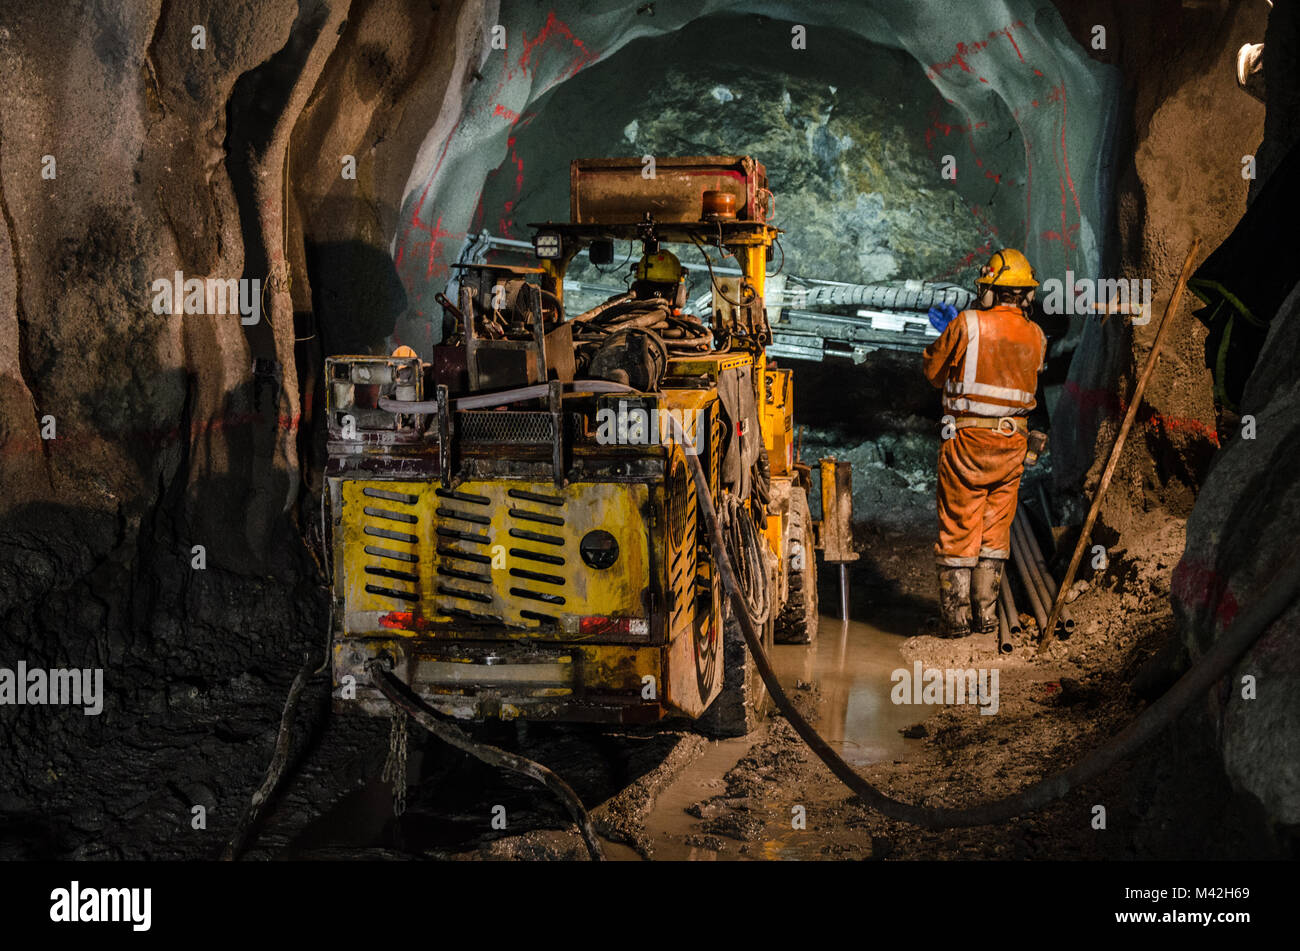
(1135, 402)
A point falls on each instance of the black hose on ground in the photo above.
(1213, 665)
(403, 697)
(235, 847)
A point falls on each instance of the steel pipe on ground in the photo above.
(1048, 586)
(1008, 602)
(1020, 538)
(1004, 629)
(1036, 606)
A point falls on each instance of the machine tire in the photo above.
(796, 623)
(744, 702)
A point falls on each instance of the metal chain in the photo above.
(395, 765)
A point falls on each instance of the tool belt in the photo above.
(1006, 425)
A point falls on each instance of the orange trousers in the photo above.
(979, 482)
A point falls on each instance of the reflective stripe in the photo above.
(972, 347)
(987, 389)
(963, 405)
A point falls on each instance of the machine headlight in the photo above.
(547, 245)
(598, 548)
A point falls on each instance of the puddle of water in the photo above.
(852, 665)
(668, 823)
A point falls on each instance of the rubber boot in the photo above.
(954, 600)
(985, 583)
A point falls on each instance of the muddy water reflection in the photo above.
(852, 665)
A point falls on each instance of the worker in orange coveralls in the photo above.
(987, 362)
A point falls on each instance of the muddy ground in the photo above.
(668, 793)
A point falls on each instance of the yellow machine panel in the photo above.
(418, 556)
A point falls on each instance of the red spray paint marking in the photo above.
(419, 206)
(1065, 154)
(1113, 406)
(1198, 586)
(970, 260)
(1067, 232)
(964, 50)
(554, 27)
(436, 234)
(1007, 33)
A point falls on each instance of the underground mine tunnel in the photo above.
(481, 430)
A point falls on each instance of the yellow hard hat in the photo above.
(662, 267)
(404, 351)
(1008, 268)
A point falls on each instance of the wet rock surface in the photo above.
(167, 439)
(844, 141)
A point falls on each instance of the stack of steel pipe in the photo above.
(1066, 622)
(1038, 581)
(1025, 569)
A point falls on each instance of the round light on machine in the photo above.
(598, 548)
(718, 206)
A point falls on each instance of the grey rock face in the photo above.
(1242, 528)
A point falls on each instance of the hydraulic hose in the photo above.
(1214, 664)
(400, 695)
(279, 759)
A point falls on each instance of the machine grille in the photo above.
(492, 426)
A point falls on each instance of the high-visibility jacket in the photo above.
(987, 362)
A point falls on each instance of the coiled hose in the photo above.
(745, 548)
(681, 333)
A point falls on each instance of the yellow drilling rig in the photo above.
(512, 524)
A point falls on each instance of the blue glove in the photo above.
(942, 315)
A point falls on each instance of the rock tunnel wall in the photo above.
(849, 140)
(1243, 526)
(1034, 113)
(167, 159)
